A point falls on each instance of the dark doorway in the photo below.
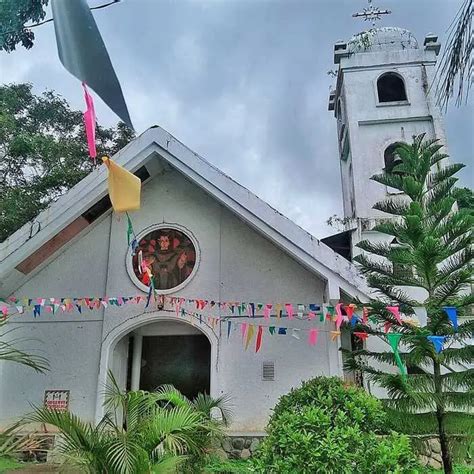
(182, 361)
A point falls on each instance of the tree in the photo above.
(141, 432)
(14, 15)
(43, 152)
(18, 17)
(464, 198)
(432, 242)
(456, 63)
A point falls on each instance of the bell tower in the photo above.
(382, 97)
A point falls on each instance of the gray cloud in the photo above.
(243, 83)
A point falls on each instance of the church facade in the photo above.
(240, 288)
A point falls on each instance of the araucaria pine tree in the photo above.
(424, 264)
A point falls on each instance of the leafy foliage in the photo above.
(15, 15)
(432, 241)
(9, 351)
(43, 151)
(141, 432)
(326, 426)
(456, 65)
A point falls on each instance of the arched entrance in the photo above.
(165, 352)
(159, 349)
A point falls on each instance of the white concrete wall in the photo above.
(70, 341)
(236, 264)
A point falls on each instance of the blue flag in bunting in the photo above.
(437, 341)
(452, 313)
(37, 310)
(282, 331)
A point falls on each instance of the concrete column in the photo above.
(136, 361)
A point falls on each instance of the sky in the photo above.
(244, 84)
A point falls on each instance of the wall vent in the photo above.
(268, 370)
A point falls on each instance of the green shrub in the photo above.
(328, 427)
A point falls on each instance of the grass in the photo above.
(215, 465)
(7, 464)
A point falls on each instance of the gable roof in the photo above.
(156, 142)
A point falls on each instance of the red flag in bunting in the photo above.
(258, 342)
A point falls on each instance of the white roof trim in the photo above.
(301, 245)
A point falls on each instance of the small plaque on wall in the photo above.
(56, 400)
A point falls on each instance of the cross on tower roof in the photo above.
(371, 13)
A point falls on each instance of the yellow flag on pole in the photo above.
(124, 187)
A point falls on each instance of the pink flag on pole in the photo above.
(89, 122)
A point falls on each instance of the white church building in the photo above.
(219, 254)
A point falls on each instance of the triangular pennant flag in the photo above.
(250, 332)
(386, 326)
(296, 333)
(266, 311)
(278, 310)
(339, 316)
(365, 315)
(311, 315)
(350, 310)
(354, 320)
(271, 330)
(252, 309)
(361, 335)
(258, 342)
(301, 309)
(130, 232)
(124, 187)
(394, 339)
(396, 312)
(282, 331)
(313, 337)
(438, 342)
(37, 310)
(289, 310)
(335, 335)
(243, 330)
(452, 313)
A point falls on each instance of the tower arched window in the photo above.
(391, 88)
(391, 157)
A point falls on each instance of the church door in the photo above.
(183, 361)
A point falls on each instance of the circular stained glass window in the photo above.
(167, 254)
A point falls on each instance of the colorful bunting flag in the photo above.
(438, 342)
(396, 312)
(452, 313)
(394, 339)
(258, 342)
(250, 332)
(313, 336)
(339, 316)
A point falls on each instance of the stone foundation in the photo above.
(429, 452)
(239, 447)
